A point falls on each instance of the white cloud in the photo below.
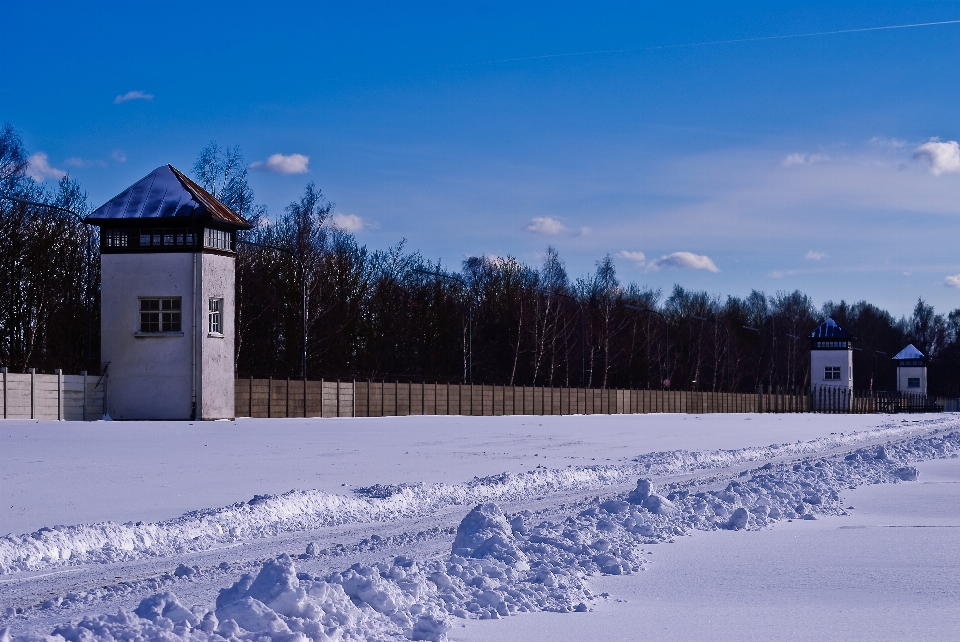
(815, 256)
(683, 260)
(637, 257)
(804, 159)
(892, 143)
(943, 157)
(75, 161)
(545, 225)
(351, 222)
(118, 156)
(952, 281)
(284, 164)
(132, 95)
(39, 169)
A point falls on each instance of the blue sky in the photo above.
(822, 163)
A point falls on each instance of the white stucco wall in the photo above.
(913, 371)
(820, 359)
(150, 376)
(217, 353)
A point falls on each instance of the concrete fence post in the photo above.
(83, 373)
(33, 392)
(59, 373)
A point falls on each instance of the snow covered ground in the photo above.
(886, 571)
(78, 473)
(409, 527)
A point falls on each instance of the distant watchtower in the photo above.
(911, 370)
(831, 356)
(167, 267)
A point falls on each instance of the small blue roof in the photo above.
(830, 330)
(910, 352)
(165, 193)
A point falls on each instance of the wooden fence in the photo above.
(81, 397)
(297, 398)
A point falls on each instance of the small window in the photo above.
(913, 382)
(160, 315)
(832, 344)
(115, 238)
(219, 239)
(215, 317)
(831, 373)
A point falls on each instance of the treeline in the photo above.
(395, 315)
(49, 270)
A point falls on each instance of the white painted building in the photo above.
(911, 371)
(831, 358)
(167, 296)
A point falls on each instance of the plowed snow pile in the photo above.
(498, 564)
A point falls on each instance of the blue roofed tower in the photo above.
(911, 370)
(831, 357)
(167, 255)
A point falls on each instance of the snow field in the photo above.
(87, 473)
(298, 510)
(502, 564)
(888, 571)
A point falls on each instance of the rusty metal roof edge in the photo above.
(214, 207)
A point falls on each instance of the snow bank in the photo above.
(298, 510)
(501, 564)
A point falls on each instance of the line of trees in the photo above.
(393, 314)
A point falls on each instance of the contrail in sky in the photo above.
(716, 42)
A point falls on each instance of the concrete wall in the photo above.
(216, 367)
(150, 374)
(909, 372)
(820, 359)
(51, 396)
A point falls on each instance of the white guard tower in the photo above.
(167, 253)
(911, 371)
(831, 357)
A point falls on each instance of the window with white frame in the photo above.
(215, 317)
(218, 239)
(913, 382)
(831, 373)
(160, 315)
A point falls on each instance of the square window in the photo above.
(831, 373)
(913, 382)
(160, 315)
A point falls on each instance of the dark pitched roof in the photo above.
(166, 193)
(910, 352)
(830, 330)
